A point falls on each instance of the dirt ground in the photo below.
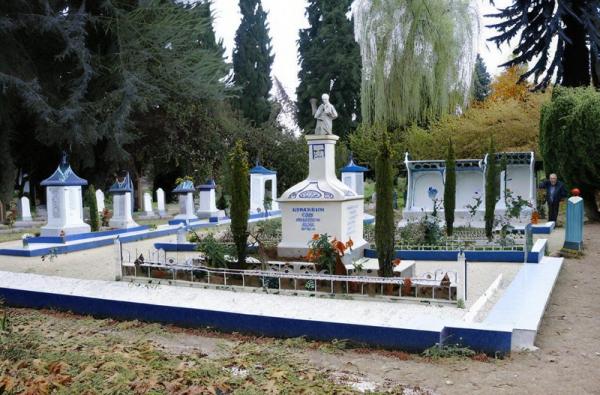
(567, 361)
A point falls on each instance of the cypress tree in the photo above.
(481, 80)
(450, 189)
(240, 200)
(384, 209)
(93, 206)
(252, 62)
(491, 189)
(329, 63)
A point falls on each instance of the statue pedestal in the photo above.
(320, 204)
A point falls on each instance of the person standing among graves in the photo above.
(555, 192)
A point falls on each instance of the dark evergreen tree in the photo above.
(239, 189)
(575, 24)
(92, 204)
(330, 63)
(384, 209)
(450, 189)
(573, 155)
(491, 189)
(481, 80)
(252, 62)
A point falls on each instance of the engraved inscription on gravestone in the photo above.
(55, 199)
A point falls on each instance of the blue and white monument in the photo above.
(321, 203)
(353, 176)
(64, 202)
(207, 207)
(185, 191)
(260, 177)
(574, 227)
(121, 192)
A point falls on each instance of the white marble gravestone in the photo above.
(148, 210)
(100, 200)
(259, 177)
(64, 202)
(320, 204)
(185, 191)
(160, 201)
(121, 192)
(24, 210)
(207, 207)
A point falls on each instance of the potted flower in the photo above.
(327, 254)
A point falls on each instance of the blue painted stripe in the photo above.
(488, 341)
(82, 236)
(400, 338)
(446, 255)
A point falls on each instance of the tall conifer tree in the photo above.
(481, 80)
(450, 189)
(252, 62)
(329, 63)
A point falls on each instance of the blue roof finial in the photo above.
(64, 175)
(352, 167)
(122, 184)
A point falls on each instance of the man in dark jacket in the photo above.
(555, 192)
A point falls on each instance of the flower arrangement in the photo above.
(535, 218)
(325, 252)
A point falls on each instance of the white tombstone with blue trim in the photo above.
(574, 227)
(353, 176)
(207, 207)
(121, 192)
(64, 202)
(185, 192)
(259, 176)
(320, 204)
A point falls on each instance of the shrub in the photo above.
(213, 250)
(93, 206)
(570, 141)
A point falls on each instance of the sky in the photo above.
(286, 18)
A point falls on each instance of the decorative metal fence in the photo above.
(192, 272)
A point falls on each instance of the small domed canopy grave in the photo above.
(259, 177)
(353, 175)
(185, 189)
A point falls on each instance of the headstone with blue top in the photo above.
(121, 192)
(207, 207)
(185, 191)
(353, 175)
(64, 202)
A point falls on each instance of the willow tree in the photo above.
(417, 58)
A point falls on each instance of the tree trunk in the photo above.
(576, 59)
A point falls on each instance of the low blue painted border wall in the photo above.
(489, 341)
(82, 236)
(546, 229)
(65, 248)
(445, 255)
